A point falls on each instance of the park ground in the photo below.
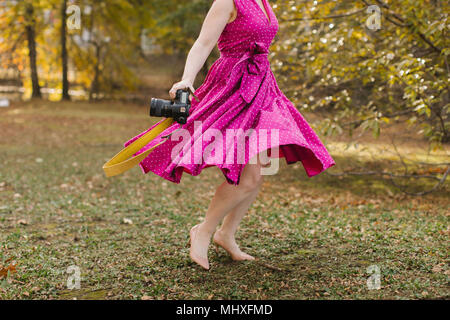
(315, 238)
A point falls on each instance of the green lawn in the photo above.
(314, 237)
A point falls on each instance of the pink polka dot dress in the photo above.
(240, 112)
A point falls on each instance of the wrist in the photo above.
(189, 80)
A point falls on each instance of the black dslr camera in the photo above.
(177, 109)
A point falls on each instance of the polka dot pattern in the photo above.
(239, 95)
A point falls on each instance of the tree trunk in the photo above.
(31, 38)
(64, 58)
(94, 84)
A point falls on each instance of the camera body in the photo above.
(178, 109)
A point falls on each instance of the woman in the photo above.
(239, 92)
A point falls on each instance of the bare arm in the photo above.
(213, 25)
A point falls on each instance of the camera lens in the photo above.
(156, 107)
(177, 109)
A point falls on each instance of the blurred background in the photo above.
(367, 64)
(371, 77)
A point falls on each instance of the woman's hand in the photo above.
(183, 84)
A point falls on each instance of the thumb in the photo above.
(191, 95)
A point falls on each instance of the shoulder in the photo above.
(227, 7)
(225, 3)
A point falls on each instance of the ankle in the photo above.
(225, 233)
(224, 236)
(205, 229)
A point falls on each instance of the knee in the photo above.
(251, 182)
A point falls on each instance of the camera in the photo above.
(178, 109)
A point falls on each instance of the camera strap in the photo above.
(124, 160)
(167, 136)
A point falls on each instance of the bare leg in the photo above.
(226, 198)
(225, 236)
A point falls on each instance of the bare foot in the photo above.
(229, 244)
(199, 242)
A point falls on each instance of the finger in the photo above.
(172, 92)
(177, 86)
(193, 92)
(189, 90)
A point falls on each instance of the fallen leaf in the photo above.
(437, 268)
(4, 271)
(127, 221)
(22, 222)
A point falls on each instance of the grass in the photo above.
(314, 237)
